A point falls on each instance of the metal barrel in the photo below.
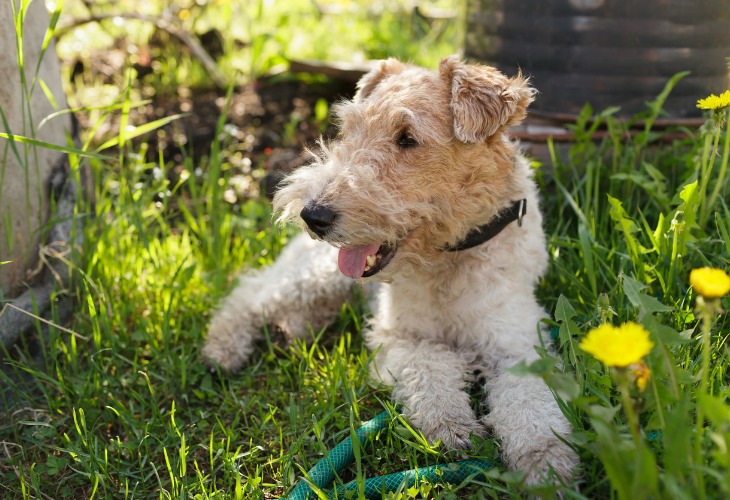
(606, 52)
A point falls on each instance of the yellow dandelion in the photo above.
(709, 282)
(642, 374)
(618, 346)
(715, 101)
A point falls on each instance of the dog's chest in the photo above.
(458, 310)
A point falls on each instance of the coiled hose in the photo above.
(342, 455)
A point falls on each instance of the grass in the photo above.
(124, 408)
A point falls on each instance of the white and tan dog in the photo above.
(423, 193)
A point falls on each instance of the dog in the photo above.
(424, 195)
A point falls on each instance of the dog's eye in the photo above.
(406, 141)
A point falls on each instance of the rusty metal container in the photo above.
(606, 52)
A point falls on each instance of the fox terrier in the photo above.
(423, 194)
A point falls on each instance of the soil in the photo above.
(268, 122)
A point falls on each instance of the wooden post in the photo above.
(25, 170)
(30, 174)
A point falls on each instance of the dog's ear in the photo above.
(371, 80)
(483, 100)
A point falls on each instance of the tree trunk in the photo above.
(25, 170)
(30, 175)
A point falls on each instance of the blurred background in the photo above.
(285, 61)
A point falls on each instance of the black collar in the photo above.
(487, 231)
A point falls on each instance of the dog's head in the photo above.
(421, 159)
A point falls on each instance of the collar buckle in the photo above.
(521, 211)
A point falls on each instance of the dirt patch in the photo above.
(267, 123)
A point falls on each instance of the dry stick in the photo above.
(39, 318)
(15, 320)
(17, 469)
(166, 25)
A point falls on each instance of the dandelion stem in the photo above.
(706, 313)
(628, 404)
(629, 407)
(708, 160)
(723, 165)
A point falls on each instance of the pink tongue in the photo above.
(352, 260)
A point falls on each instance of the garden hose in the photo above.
(454, 472)
(342, 455)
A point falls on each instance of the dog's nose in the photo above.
(319, 218)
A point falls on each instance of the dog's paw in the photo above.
(546, 454)
(451, 424)
(227, 346)
(445, 415)
(455, 435)
(216, 356)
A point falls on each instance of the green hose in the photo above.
(342, 455)
(454, 472)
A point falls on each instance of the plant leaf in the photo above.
(645, 303)
(141, 130)
(63, 149)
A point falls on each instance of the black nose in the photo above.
(319, 218)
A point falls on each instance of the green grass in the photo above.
(124, 408)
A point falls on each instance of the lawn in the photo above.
(117, 403)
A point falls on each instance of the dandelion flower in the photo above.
(709, 282)
(618, 346)
(715, 101)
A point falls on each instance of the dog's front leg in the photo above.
(303, 287)
(526, 418)
(428, 380)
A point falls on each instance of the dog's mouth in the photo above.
(363, 261)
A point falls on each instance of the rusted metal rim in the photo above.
(598, 135)
(541, 126)
(659, 123)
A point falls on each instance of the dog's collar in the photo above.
(486, 232)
